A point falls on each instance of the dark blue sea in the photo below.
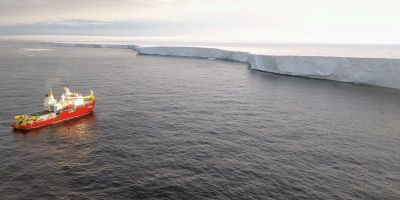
(185, 128)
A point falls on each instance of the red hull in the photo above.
(64, 115)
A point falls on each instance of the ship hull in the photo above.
(63, 116)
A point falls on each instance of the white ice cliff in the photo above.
(371, 71)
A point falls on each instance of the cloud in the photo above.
(35, 11)
(267, 20)
(77, 22)
(90, 27)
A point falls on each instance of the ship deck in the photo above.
(36, 114)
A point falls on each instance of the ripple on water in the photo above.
(182, 128)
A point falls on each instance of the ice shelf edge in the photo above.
(384, 72)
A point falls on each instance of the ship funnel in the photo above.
(50, 93)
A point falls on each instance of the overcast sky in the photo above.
(332, 21)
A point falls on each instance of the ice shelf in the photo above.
(383, 72)
(371, 71)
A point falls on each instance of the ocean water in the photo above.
(183, 128)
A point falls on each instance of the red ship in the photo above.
(69, 106)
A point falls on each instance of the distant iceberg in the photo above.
(33, 50)
(90, 45)
(383, 72)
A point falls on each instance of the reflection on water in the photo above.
(68, 149)
(77, 128)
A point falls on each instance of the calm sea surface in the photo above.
(180, 128)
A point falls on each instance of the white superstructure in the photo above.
(67, 100)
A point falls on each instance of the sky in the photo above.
(281, 21)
